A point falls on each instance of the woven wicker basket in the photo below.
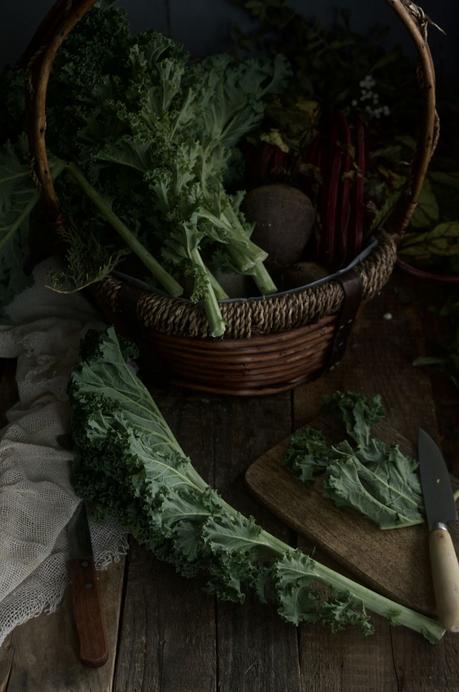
(272, 343)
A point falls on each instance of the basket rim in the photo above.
(373, 242)
(247, 317)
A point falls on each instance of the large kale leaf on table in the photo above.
(128, 463)
(151, 138)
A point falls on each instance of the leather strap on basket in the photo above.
(352, 286)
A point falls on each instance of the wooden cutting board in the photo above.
(393, 562)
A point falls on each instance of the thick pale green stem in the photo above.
(263, 279)
(249, 253)
(257, 270)
(217, 324)
(397, 614)
(243, 258)
(161, 275)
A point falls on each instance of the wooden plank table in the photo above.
(167, 635)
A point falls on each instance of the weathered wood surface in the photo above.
(388, 337)
(395, 563)
(42, 654)
(173, 637)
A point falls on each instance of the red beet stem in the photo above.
(330, 199)
(343, 254)
(360, 187)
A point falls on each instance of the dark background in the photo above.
(205, 25)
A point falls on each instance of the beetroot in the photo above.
(284, 218)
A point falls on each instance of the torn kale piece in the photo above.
(362, 472)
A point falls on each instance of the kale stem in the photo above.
(245, 254)
(256, 269)
(214, 316)
(161, 275)
(397, 614)
(241, 261)
(263, 279)
(241, 239)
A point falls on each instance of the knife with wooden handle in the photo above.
(87, 613)
(440, 508)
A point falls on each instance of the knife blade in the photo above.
(440, 509)
(85, 597)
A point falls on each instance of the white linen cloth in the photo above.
(36, 496)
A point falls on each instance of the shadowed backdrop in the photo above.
(205, 25)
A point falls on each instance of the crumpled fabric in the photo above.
(36, 495)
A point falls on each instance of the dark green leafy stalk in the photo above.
(370, 476)
(432, 241)
(158, 272)
(150, 136)
(179, 132)
(128, 463)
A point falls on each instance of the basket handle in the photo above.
(416, 22)
(65, 15)
(38, 59)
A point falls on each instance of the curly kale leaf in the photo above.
(129, 463)
(97, 48)
(361, 472)
(231, 94)
(294, 577)
(308, 454)
(179, 124)
(387, 492)
(358, 413)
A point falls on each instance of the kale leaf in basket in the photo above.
(148, 137)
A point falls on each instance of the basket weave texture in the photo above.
(249, 318)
